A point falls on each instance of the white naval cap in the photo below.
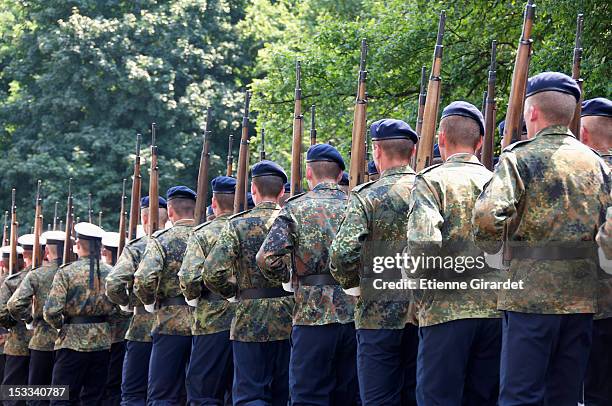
(110, 239)
(54, 237)
(27, 241)
(88, 231)
(6, 251)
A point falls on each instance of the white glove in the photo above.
(232, 299)
(150, 308)
(193, 302)
(288, 287)
(356, 291)
(30, 326)
(126, 308)
(496, 261)
(604, 263)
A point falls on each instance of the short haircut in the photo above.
(182, 207)
(600, 130)
(396, 148)
(225, 201)
(163, 213)
(324, 169)
(556, 108)
(269, 186)
(460, 130)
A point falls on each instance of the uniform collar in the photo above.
(267, 205)
(463, 157)
(401, 170)
(184, 222)
(555, 130)
(326, 185)
(224, 215)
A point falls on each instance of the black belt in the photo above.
(553, 253)
(85, 319)
(208, 295)
(263, 293)
(173, 301)
(317, 280)
(140, 310)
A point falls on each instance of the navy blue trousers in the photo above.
(209, 376)
(167, 368)
(84, 373)
(458, 363)
(543, 358)
(261, 373)
(40, 372)
(386, 364)
(135, 373)
(112, 393)
(330, 350)
(15, 373)
(598, 379)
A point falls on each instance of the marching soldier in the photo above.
(27, 304)
(344, 182)
(376, 220)
(210, 213)
(373, 171)
(323, 334)
(77, 306)
(547, 197)
(596, 132)
(209, 376)
(119, 289)
(262, 324)
(459, 330)
(156, 285)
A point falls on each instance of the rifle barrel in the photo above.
(153, 185)
(243, 159)
(575, 124)
(298, 131)
(313, 128)
(202, 190)
(490, 112)
(136, 190)
(357, 170)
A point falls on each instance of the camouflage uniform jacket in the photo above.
(604, 287)
(375, 218)
(27, 304)
(440, 225)
(120, 285)
(550, 191)
(256, 320)
(71, 296)
(3, 330)
(19, 336)
(211, 315)
(157, 278)
(302, 234)
(119, 322)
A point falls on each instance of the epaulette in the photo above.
(64, 265)
(296, 196)
(599, 154)
(359, 188)
(517, 144)
(160, 232)
(239, 214)
(13, 276)
(429, 168)
(201, 226)
(135, 240)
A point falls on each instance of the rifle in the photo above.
(514, 116)
(153, 186)
(432, 102)
(489, 112)
(5, 233)
(262, 146)
(313, 129)
(356, 169)
(122, 221)
(419, 123)
(136, 186)
(13, 259)
(230, 157)
(575, 124)
(298, 131)
(202, 190)
(240, 202)
(37, 254)
(99, 219)
(366, 174)
(67, 254)
(55, 217)
(89, 210)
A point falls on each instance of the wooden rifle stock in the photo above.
(135, 196)
(67, 254)
(37, 254)
(153, 185)
(230, 157)
(240, 203)
(298, 130)
(575, 124)
(432, 103)
(13, 259)
(122, 221)
(419, 123)
(313, 128)
(202, 190)
(513, 127)
(490, 112)
(356, 169)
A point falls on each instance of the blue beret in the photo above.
(144, 202)
(224, 184)
(324, 152)
(599, 106)
(209, 211)
(287, 187)
(436, 151)
(344, 181)
(372, 170)
(554, 82)
(390, 128)
(268, 168)
(464, 109)
(180, 192)
(502, 125)
(250, 201)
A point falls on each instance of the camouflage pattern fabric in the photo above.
(70, 296)
(256, 320)
(376, 213)
(604, 286)
(3, 330)
(550, 191)
(18, 336)
(27, 304)
(439, 224)
(300, 238)
(157, 278)
(119, 322)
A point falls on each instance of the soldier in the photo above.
(16, 348)
(323, 334)
(210, 213)
(373, 171)
(77, 306)
(209, 376)
(596, 132)
(344, 182)
(437, 157)
(548, 196)
(604, 236)
(459, 330)
(27, 304)
(119, 289)
(376, 220)
(286, 196)
(156, 285)
(262, 324)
